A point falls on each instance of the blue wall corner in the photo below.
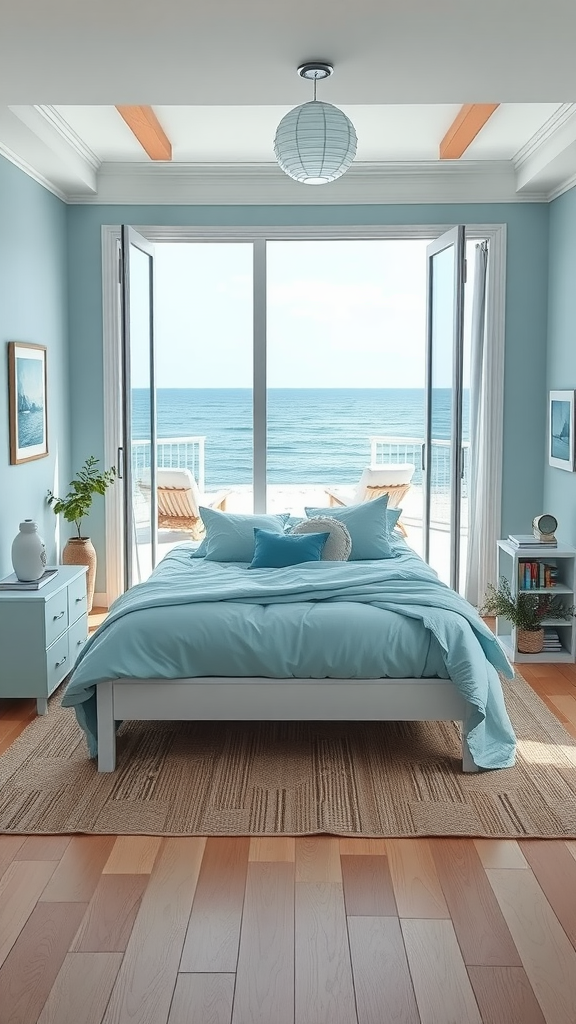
(33, 308)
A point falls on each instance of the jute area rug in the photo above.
(291, 778)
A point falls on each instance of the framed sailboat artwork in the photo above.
(27, 402)
(561, 430)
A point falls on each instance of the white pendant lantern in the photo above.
(315, 143)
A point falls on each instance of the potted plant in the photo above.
(526, 612)
(79, 550)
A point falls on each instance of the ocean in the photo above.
(315, 435)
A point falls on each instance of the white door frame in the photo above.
(496, 302)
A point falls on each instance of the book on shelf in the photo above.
(12, 582)
(552, 641)
(537, 575)
(527, 540)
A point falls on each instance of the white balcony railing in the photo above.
(173, 453)
(188, 452)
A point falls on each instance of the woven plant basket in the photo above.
(530, 641)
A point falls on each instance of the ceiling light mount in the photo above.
(315, 70)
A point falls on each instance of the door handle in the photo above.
(120, 464)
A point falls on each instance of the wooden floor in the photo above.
(142, 930)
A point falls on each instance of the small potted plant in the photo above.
(526, 612)
(74, 507)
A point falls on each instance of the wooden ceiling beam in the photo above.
(144, 124)
(469, 121)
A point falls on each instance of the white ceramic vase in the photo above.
(28, 552)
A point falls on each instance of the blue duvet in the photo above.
(387, 617)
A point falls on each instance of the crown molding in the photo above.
(55, 149)
(561, 189)
(549, 164)
(545, 132)
(24, 166)
(263, 184)
(60, 125)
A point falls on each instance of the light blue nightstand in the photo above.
(41, 634)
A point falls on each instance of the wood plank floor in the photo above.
(318, 930)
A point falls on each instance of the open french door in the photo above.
(442, 461)
(140, 510)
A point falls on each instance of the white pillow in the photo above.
(339, 544)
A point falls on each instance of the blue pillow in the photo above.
(392, 515)
(367, 525)
(230, 535)
(274, 551)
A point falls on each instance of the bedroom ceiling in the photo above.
(220, 76)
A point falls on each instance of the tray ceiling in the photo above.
(220, 76)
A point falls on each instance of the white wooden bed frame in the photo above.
(216, 698)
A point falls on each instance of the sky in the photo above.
(339, 314)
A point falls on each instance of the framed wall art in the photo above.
(27, 402)
(561, 430)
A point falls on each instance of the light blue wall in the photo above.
(560, 486)
(526, 318)
(33, 308)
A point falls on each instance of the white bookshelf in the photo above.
(564, 558)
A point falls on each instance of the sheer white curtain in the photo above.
(484, 486)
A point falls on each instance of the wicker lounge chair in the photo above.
(179, 500)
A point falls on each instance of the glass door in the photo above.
(442, 453)
(139, 407)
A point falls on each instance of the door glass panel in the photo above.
(204, 370)
(140, 525)
(466, 410)
(441, 408)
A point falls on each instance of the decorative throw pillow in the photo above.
(230, 535)
(339, 544)
(275, 551)
(392, 514)
(367, 525)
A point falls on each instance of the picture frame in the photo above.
(27, 402)
(561, 430)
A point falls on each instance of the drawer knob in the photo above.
(58, 663)
(80, 642)
(61, 616)
(80, 599)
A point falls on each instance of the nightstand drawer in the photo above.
(76, 599)
(41, 635)
(57, 662)
(77, 637)
(56, 616)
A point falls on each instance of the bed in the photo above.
(377, 639)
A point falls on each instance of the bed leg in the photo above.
(468, 764)
(106, 728)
